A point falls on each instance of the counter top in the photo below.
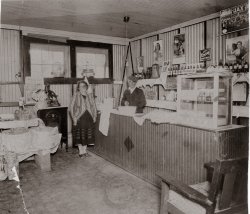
(159, 117)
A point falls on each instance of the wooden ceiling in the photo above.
(105, 17)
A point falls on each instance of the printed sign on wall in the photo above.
(205, 55)
(234, 19)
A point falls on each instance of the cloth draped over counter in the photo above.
(155, 116)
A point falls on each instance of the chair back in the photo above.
(229, 182)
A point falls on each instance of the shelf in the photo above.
(9, 104)
(12, 104)
(11, 83)
(164, 104)
(207, 75)
(241, 111)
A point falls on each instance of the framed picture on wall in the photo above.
(237, 50)
(158, 51)
(140, 63)
(179, 49)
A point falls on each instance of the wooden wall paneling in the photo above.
(147, 50)
(98, 138)
(136, 52)
(117, 145)
(194, 36)
(103, 91)
(9, 67)
(178, 150)
(227, 146)
(110, 143)
(119, 53)
(10, 93)
(213, 40)
(168, 43)
(9, 55)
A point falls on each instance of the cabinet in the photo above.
(56, 116)
(205, 100)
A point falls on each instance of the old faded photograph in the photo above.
(124, 106)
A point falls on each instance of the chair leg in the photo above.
(164, 198)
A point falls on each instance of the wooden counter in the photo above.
(176, 149)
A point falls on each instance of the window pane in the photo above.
(92, 62)
(35, 54)
(46, 55)
(36, 71)
(52, 59)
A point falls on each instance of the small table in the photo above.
(42, 160)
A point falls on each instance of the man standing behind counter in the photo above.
(133, 96)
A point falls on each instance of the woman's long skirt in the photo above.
(84, 132)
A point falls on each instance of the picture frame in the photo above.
(237, 50)
(158, 51)
(179, 49)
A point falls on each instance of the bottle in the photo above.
(231, 67)
(246, 70)
(239, 68)
(21, 103)
(168, 71)
(174, 71)
(235, 68)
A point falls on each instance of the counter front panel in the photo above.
(175, 149)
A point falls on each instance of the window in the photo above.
(69, 59)
(47, 60)
(92, 62)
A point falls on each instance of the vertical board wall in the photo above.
(9, 67)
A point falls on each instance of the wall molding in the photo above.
(67, 35)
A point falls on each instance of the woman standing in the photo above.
(83, 112)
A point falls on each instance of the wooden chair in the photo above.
(226, 193)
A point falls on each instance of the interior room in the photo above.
(124, 107)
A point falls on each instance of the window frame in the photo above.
(74, 44)
(26, 41)
(26, 52)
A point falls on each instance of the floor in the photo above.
(79, 186)
(90, 185)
